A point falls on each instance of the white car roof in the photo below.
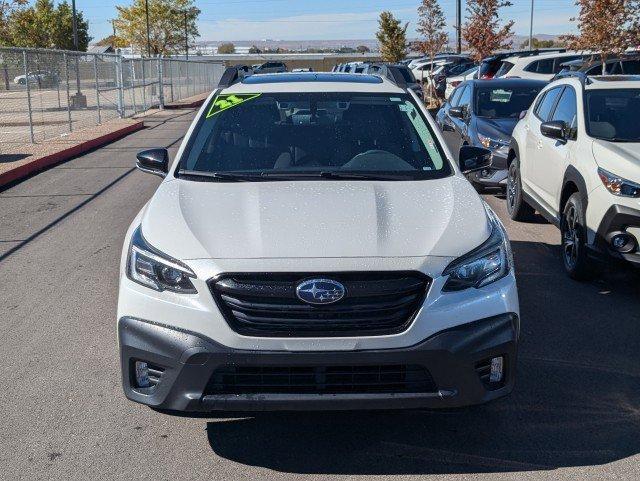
(533, 58)
(314, 82)
(600, 82)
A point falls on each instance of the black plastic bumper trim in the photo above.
(189, 361)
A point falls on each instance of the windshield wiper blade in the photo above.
(224, 176)
(361, 176)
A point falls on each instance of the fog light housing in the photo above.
(622, 242)
(142, 374)
(497, 370)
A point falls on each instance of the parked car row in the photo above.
(381, 69)
(569, 149)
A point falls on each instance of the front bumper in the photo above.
(496, 174)
(188, 362)
(619, 218)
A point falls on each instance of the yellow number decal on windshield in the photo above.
(226, 101)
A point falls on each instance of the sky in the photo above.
(326, 19)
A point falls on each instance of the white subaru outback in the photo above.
(575, 158)
(314, 246)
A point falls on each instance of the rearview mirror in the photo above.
(473, 158)
(555, 129)
(153, 161)
(457, 112)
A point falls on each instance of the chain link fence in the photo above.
(47, 93)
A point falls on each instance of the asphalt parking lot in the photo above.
(575, 412)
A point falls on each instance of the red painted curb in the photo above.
(41, 163)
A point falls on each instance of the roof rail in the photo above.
(233, 75)
(582, 76)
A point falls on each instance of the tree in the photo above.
(483, 31)
(538, 43)
(363, 49)
(7, 7)
(392, 38)
(44, 25)
(254, 50)
(226, 48)
(166, 25)
(431, 25)
(605, 26)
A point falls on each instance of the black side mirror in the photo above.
(556, 129)
(457, 112)
(473, 158)
(153, 161)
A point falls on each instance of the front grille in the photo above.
(266, 305)
(321, 380)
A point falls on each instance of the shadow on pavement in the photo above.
(576, 402)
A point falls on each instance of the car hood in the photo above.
(499, 129)
(620, 158)
(315, 219)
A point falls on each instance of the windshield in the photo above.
(282, 135)
(613, 114)
(498, 103)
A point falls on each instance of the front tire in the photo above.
(517, 207)
(574, 239)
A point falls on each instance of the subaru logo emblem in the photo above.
(320, 291)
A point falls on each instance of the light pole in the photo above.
(186, 36)
(458, 26)
(146, 11)
(78, 100)
(531, 28)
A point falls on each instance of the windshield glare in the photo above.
(305, 133)
(499, 103)
(613, 114)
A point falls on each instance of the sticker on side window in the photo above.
(226, 101)
(500, 95)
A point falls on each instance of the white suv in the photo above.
(314, 246)
(575, 157)
(536, 67)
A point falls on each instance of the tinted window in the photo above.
(613, 114)
(544, 107)
(631, 67)
(504, 69)
(559, 61)
(496, 103)
(544, 66)
(566, 108)
(408, 75)
(308, 133)
(455, 97)
(465, 99)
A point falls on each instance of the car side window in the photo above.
(455, 96)
(465, 98)
(543, 110)
(631, 67)
(566, 110)
(544, 66)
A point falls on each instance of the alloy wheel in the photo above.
(570, 239)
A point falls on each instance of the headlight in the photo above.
(151, 268)
(483, 265)
(489, 143)
(617, 185)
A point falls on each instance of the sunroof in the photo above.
(311, 77)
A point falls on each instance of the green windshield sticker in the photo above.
(226, 101)
(500, 95)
